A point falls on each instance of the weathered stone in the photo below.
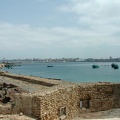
(21, 114)
(64, 100)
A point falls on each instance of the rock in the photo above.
(21, 114)
(1, 116)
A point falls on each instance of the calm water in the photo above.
(74, 72)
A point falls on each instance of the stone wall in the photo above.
(27, 79)
(117, 95)
(27, 104)
(52, 104)
(101, 97)
(5, 109)
(79, 99)
(67, 102)
(64, 102)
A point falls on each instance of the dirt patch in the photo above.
(113, 114)
(15, 117)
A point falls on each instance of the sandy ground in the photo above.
(15, 117)
(24, 85)
(113, 114)
(35, 88)
(102, 119)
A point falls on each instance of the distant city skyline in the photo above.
(59, 29)
(110, 59)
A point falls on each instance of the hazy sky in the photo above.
(59, 28)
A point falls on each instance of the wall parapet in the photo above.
(27, 79)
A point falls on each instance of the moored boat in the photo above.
(49, 66)
(95, 66)
(112, 65)
(115, 66)
(9, 65)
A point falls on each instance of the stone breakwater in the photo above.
(61, 100)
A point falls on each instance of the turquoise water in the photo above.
(70, 71)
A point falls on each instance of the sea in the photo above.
(69, 71)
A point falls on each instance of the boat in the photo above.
(95, 66)
(9, 65)
(112, 65)
(49, 66)
(115, 66)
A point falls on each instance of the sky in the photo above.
(59, 29)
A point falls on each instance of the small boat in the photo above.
(95, 66)
(9, 65)
(115, 66)
(112, 65)
(49, 66)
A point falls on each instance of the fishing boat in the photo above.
(49, 66)
(112, 65)
(115, 66)
(9, 65)
(95, 66)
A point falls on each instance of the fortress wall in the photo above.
(5, 109)
(27, 104)
(117, 95)
(69, 102)
(101, 97)
(61, 104)
(27, 79)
